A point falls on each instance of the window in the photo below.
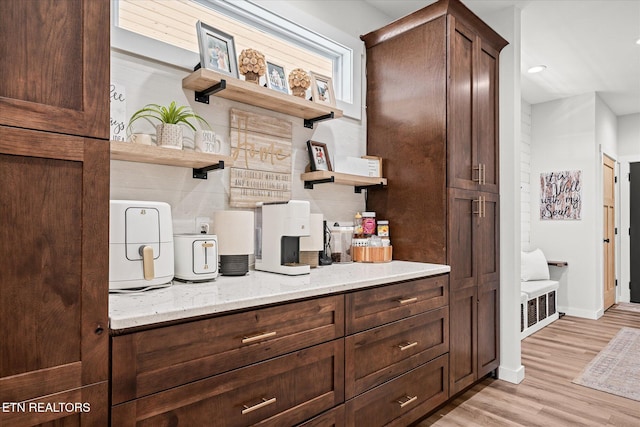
(165, 30)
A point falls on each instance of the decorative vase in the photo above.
(299, 91)
(252, 77)
(169, 136)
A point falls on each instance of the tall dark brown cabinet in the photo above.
(54, 204)
(432, 115)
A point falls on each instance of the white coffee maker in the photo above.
(279, 226)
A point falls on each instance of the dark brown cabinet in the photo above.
(291, 363)
(54, 203)
(432, 114)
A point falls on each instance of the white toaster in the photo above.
(196, 257)
(140, 244)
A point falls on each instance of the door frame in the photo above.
(614, 239)
(624, 243)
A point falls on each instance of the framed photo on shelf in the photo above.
(276, 78)
(318, 156)
(322, 89)
(217, 50)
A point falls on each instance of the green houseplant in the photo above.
(171, 119)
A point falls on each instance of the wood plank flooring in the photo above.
(552, 357)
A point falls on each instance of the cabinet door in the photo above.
(487, 117)
(55, 66)
(472, 128)
(464, 212)
(463, 341)
(489, 285)
(463, 169)
(53, 251)
(488, 327)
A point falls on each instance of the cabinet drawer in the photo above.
(377, 355)
(402, 400)
(282, 391)
(374, 307)
(332, 418)
(151, 361)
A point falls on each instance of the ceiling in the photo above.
(587, 45)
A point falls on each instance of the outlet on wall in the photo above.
(202, 224)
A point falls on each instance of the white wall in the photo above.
(525, 178)
(629, 152)
(570, 134)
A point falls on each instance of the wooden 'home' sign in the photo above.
(261, 148)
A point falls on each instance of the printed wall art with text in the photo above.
(561, 195)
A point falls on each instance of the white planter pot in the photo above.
(169, 136)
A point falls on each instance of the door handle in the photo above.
(606, 240)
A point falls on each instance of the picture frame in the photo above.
(217, 50)
(322, 89)
(276, 78)
(318, 156)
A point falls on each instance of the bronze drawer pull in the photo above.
(258, 337)
(407, 346)
(262, 404)
(408, 400)
(407, 300)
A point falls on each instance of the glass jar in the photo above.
(357, 226)
(368, 223)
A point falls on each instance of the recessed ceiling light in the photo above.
(638, 41)
(536, 69)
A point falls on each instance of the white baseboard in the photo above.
(510, 375)
(578, 312)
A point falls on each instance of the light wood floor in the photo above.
(552, 357)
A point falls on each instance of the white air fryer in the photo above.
(140, 244)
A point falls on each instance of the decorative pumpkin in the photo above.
(252, 65)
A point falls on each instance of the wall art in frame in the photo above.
(322, 89)
(561, 195)
(217, 50)
(276, 78)
(319, 156)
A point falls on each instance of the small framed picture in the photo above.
(319, 156)
(276, 78)
(217, 50)
(322, 89)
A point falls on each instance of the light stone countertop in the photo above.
(181, 301)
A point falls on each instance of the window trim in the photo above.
(294, 28)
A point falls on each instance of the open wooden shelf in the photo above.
(207, 82)
(200, 162)
(357, 181)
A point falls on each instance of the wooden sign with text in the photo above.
(261, 148)
(561, 195)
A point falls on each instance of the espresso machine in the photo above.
(279, 226)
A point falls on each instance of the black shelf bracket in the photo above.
(203, 172)
(204, 95)
(309, 184)
(308, 123)
(359, 188)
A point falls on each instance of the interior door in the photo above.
(609, 232)
(634, 231)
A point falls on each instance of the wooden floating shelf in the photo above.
(200, 162)
(203, 81)
(357, 181)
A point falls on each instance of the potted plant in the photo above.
(169, 130)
